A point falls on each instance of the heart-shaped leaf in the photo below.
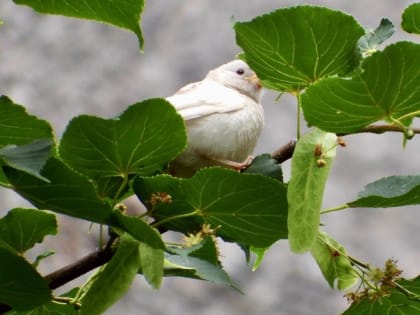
(142, 140)
(23, 228)
(293, 47)
(245, 208)
(411, 19)
(386, 88)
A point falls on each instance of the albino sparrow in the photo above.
(223, 116)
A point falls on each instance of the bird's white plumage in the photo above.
(223, 117)
(205, 98)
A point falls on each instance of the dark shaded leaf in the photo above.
(393, 191)
(264, 164)
(21, 286)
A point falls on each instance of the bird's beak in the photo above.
(254, 80)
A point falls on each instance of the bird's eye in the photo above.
(240, 71)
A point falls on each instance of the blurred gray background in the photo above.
(60, 67)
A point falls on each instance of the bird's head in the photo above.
(238, 75)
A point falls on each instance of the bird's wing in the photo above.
(205, 98)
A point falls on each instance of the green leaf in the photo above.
(53, 308)
(198, 262)
(264, 164)
(21, 286)
(369, 43)
(23, 228)
(142, 140)
(291, 48)
(25, 140)
(259, 253)
(245, 208)
(151, 262)
(385, 89)
(29, 157)
(396, 302)
(114, 279)
(121, 13)
(69, 193)
(66, 192)
(393, 191)
(333, 261)
(311, 164)
(411, 19)
(139, 229)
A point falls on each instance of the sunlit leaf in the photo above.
(293, 47)
(142, 141)
(332, 259)
(311, 163)
(385, 89)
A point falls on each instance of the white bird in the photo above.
(223, 117)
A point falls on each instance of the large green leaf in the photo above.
(23, 228)
(121, 13)
(291, 48)
(112, 281)
(333, 261)
(25, 140)
(246, 208)
(142, 140)
(411, 18)
(396, 302)
(393, 191)
(385, 89)
(21, 286)
(311, 164)
(69, 193)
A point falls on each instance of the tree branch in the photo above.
(285, 152)
(78, 268)
(378, 129)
